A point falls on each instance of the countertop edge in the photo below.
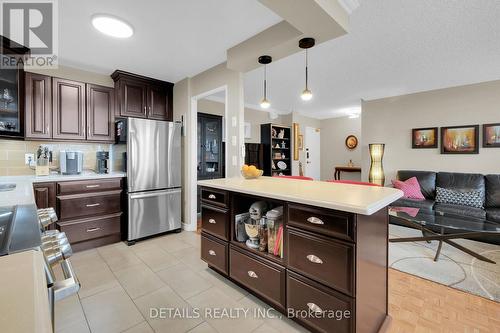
(369, 210)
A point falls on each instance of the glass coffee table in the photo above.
(443, 227)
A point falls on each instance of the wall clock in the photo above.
(351, 142)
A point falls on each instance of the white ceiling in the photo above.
(394, 47)
(173, 38)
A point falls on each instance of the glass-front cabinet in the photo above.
(11, 91)
(210, 147)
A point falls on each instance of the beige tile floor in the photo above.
(120, 284)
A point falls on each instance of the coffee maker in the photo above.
(102, 158)
(71, 162)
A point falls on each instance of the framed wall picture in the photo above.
(491, 135)
(300, 142)
(460, 139)
(424, 137)
(351, 142)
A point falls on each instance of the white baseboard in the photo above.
(188, 227)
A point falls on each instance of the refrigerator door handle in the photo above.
(153, 194)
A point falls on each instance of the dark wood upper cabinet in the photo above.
(11, 89)
(142, 97)
(100, 113)
(133, 99)
(159, 103)
(38, 103)
(68, 109)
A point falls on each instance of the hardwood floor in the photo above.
(419, 305)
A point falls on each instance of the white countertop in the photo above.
(23, 193)
(24, 304)
(357, 199)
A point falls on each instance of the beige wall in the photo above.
(12, 154)
(252, 116)
(185, 107)
(390, 121)
(75, 74)
(333, 150)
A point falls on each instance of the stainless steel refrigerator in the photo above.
(153, 177)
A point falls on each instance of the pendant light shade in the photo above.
(306, 43)
(265, 60)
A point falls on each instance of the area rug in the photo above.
(454, 268)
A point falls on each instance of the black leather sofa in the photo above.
(488, 184)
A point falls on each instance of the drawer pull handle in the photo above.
(212, 196)
(212, 252)
(314, 308)
(92, 186)
(315, 220)
(253, 275)
(93, 205)
(93, 229)
(312, 258)
(212, 221)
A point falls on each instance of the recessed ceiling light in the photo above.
(112, 26)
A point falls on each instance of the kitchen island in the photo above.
(324, 263)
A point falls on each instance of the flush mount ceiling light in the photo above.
(306, 43)
(265, 60)
(112, 26)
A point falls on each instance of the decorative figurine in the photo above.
(281, 134)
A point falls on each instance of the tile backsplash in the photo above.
(12, 154)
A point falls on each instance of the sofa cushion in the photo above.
(470, 198)
(493, 214)
(426, 179)
(447, 208)
(427, 205)
(461, 181)
(410, 188)
(492, 190)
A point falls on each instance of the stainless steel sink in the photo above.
(7, 187)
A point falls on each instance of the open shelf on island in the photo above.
(241, 204)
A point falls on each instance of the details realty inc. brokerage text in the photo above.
(235, 313)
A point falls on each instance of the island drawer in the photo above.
(324, 221)
(215, 221)
(318, 307)
(214, 196)
(86, 186)
(80, 205)
(262, 276)
(323, 259)
(85, 229)
(214, 253)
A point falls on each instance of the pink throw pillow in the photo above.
(410, 188)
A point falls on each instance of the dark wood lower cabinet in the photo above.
(89, 211)
(262, 276)
(333, 276)
(45, 195)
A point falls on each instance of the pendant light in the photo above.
(265, 60)
(306, 43)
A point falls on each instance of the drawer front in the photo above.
(321, 309)
(87, 186)
(324, 221)
(215, 221)
(322, 259)
(214, 253)
(259, 275)
(215, 197)
(74, 206)
(86, 229)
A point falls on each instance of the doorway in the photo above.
(312, 148)
(208, 144)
